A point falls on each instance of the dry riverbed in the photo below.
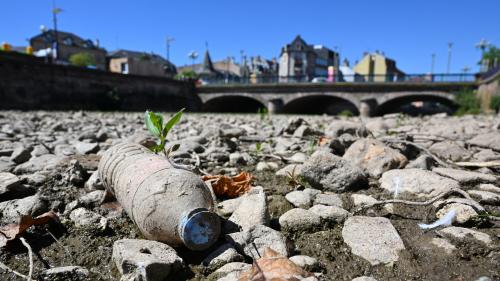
(322, 179)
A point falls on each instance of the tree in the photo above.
(82, 59)
(491, 57)
(187, 74)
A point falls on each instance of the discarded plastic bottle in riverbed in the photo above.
(167, 204)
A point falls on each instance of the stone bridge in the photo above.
(365, 98)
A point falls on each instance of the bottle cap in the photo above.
(199, 229)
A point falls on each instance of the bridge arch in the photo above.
(233, 104)
(319, 104)
(417, 103)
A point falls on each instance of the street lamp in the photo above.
(193, 56)
(482, 45)
(465, 69)
(450, 45)
(169, 40)
(55, 42)
(433, 61)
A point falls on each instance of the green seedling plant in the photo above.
(155, 125)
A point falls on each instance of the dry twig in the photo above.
(30, 254)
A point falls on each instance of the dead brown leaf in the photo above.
(12, 231)
(323, 140)
(230, 186)
(274, 267)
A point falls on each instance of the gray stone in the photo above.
(86, 147)
(486, 155)
(252, 210)
(6, 165)
(324, 170)
(485, 197)
(298, 157)
(267, 166)
(374, 156)
(39, 150)
(465, 177)
(424, 162)
(372, 238)
(229, 131)
(85, 218)
(221, 256)
(461, 233)
(489, 187)
(45, 162)
(263, 237)
(231, 271)
(488, 140)
(290, 170)
(464, 213)
(416, 182)
(305, 131)
(328, 200)
(330, 213)
(149, 260)
(74, 273)
(306, 262)
(21, 154)
(10, 184)
(299, 220)
(227, 207)
(364, 278)
(65, 150)
(299, 198)
(12, 210)
(450, 150)
(36, 179)
(94, 182)
(340, 127)
(362, 200)
(444, 245)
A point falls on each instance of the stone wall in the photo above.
(29, 83)
(488, 88)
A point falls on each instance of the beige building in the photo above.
(375, 67)
(68, 45)
(140, 63)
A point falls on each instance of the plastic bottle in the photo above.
(167, 204)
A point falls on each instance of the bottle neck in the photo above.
(199, 229)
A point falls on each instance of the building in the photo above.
(140, 63)
(300, 61)
(68, 44)
(376, 67)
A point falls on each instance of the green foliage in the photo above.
(82, 59)
(258, 147)
(154, 123)
(468, 103)
(186, 74)
(490, 56)
(495, 103)
(345, 113)
(263, 113)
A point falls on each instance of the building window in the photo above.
(124, 68)
(88, 44)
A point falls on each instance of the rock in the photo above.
(372, 238)
(74, 273)
(298, 157)
(424, 162)
(299, 220)
(86, 147)
(94, 182)
(364, 278)
(465, 177)
(39, 150)
(6, 165)
(36, 179)
(221, 256)
(65, 150)
(263, 237)
(488, 140)
(148, 260)
(291, 169)
(45, 162)
(416, 182)
(324, 170)
(464, 213)
(362, 200)
(12, 210)
(450, 150)
(267, 166)
(229, 131)
(11, 186)
(21, 154)
(486, 155)
(252, 210)
(374, 156)
(305, 131)
(485, 197)
(330, 213)
(302, 198)
(231, 271)
(339, 127)
(489, 187)
(461, 233)
(328, 200)
(85, 218)
(306, 262)
(444, 245)
(227, 207)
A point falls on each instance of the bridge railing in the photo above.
(351, 78)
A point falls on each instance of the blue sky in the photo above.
(407, 31)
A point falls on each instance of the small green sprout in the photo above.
(258, 147)
(154, 123)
